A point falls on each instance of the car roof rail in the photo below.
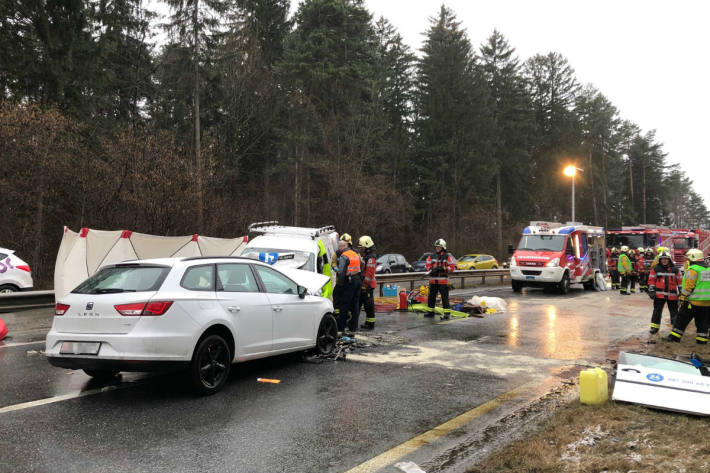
(262, 226)
(194, 258)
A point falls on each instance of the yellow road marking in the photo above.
(411, 445)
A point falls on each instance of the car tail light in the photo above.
(144, 308)
(60, 309)
(157, 307)
(24, 267)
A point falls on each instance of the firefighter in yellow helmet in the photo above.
(369, 282)
(694, 299)
(625, 268)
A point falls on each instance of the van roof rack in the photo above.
(274, 227)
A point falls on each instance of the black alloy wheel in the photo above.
(564, 284)
(327, 335)
(210, 364)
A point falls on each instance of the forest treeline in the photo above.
(245, 113)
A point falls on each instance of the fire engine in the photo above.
(640, 236)
(685, 239)
(552, 254)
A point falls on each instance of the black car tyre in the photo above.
(517, 285)
(101, 374)
(494, 267)
(8, 288)
(327, 335)
(564, 284)
(210, 365)
(387, 271)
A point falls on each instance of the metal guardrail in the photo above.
(26, 300)
(460, 276)
(35, 299)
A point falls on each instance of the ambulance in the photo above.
(295, 248)
(555, 255)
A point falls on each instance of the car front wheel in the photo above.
(327, 335)
(564, 284)
(517, 285)
(210, 365)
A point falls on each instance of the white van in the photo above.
(310, 249)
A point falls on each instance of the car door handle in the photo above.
(277, 308)
(233, 308)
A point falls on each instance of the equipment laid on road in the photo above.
(593, 386)
(551, 254)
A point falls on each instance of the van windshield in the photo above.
(542, 242)
(282, 258)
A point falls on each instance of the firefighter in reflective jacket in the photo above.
(368, 266)
(641, 269)
(613, 265)
(694, 299)
(625, 269)
(663, 282)
(439, 266)
(348, 278)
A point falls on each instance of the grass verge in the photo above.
(614, 437)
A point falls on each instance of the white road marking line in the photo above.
(63, 397)
(19, 344)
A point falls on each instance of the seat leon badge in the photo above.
(89, 305)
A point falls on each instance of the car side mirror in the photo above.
(511, 249)
(392, 261)
(302, 291)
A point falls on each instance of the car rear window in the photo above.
(124, 278)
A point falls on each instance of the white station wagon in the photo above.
(200, 314)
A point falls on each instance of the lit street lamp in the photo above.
(571, 171)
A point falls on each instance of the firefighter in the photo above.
(663, 283)
(694, 299)
(634, 276)
(338, 289)
(439, 266)
(648, 258)
(660, 250)
(625, 269)
(348, 277)
(641, 269)
(613, 265)
(368, 265)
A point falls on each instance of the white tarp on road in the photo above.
(82, 254)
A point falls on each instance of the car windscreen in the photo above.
(683, 243)
(384, 259)
(467, 258)
(542, 242)
(425, 256)
(282, 258)
(124, 278)
(630, 240)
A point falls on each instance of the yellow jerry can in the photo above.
(593, 386)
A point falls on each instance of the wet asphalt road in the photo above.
(416, 374)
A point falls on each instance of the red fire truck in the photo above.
(551, 254)
(685, 239)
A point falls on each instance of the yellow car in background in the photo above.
(477, 261)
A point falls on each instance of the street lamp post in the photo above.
(571, 171)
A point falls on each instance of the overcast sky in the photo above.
(648, 57)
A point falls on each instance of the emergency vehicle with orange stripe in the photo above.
(552, 254)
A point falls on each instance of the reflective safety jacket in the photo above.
(613, 262)
(664, 281)
(368, 266)
(439, 266)
(696, 285)
(641, 265)
(624, 265)
(348, 265)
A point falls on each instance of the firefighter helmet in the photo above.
(614, 249)
(664, 254)
(661, 249)
(624, 249)
(694, 255)
(347, 238)
(640, 250)
(366, 241)
(440, 242)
